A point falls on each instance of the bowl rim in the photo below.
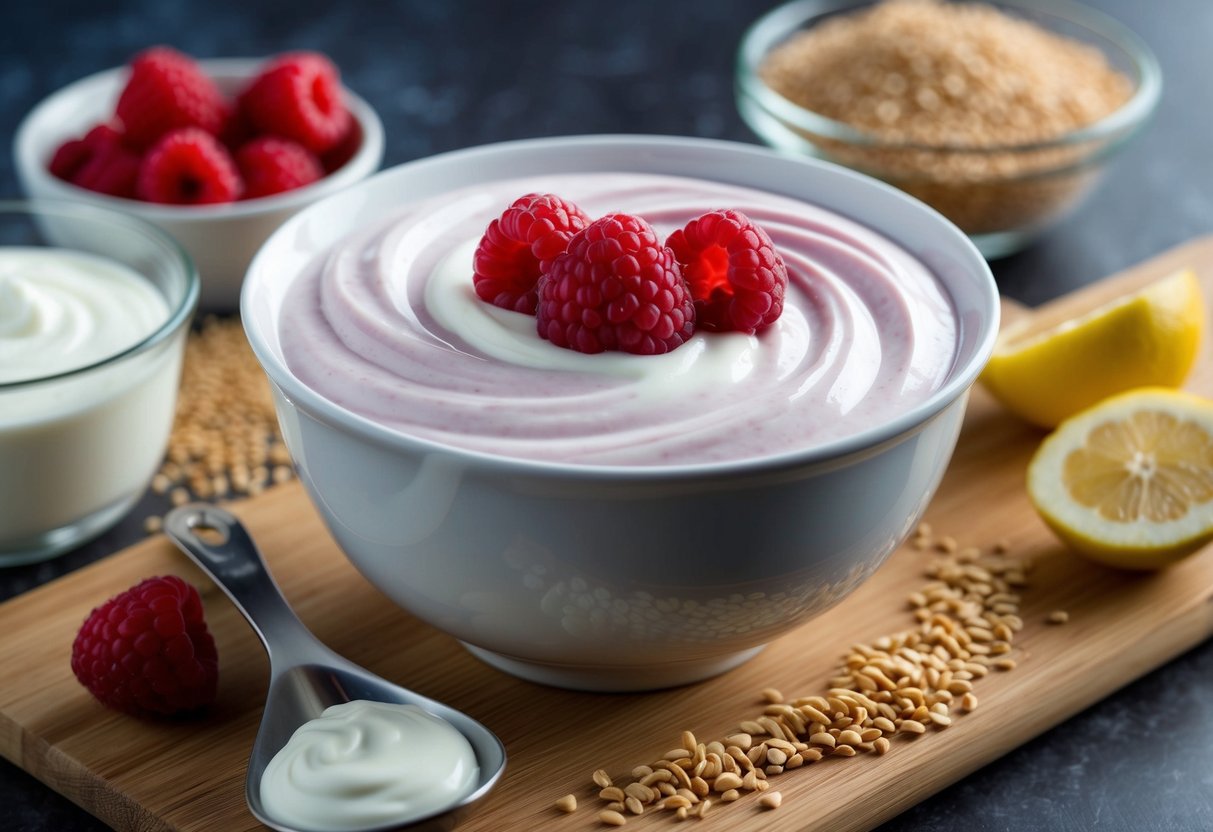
(959, 380)
(178, 316)
(31, 159)
(776, 25)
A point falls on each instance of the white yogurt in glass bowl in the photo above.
(94, 307)
(539, 505)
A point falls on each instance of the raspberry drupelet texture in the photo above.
(148, 651)
(520, 245)
(270, 165)
(298, 96)
(736, 276)
(188, 167)
(167, 91)
(615, 288)
(100, 161)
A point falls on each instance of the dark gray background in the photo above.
(450, 75)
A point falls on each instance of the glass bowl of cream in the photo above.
(94, 309)
(614, 522)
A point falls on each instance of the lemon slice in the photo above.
(1054, 364)
(1129, 482)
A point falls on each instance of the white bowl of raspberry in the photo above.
(175, 142)
(733, 391)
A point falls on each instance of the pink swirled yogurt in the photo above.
(388, 326)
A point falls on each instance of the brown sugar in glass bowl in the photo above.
(1001, 116)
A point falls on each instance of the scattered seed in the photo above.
(601, 779)
(1058, 617)
(965, 620)
(612, 818)
(770, 800)
(567, 804)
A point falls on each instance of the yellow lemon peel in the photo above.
(1048, 367)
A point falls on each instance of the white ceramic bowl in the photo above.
(78, 447)
(221, 239)
(619, 578)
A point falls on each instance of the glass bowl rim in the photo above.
(74, 211)
(783, 20)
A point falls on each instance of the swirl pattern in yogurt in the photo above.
(388, 326)
(61, 310)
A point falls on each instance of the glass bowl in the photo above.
(1001, 195)
(78, 446)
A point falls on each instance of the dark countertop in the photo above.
(450, 75)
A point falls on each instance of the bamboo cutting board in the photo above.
(139, 775)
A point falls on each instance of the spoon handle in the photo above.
(217, 541)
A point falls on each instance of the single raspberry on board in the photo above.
(99, 161)
(736, 276)
(148, 651)
(167, 91)
(270, 165)
(615, 288)
(188, 167)
(520, 245)
(298, 96)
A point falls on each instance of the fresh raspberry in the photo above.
(336, 157)
(100, 162)
(147, 650)
(615, 288)
(736, 276)
(270, 165)
(166, 91)
(298, 96)
(188, 167)
(520, 245)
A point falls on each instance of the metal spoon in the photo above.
(305, 676)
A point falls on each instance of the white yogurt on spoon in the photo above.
(363, 764)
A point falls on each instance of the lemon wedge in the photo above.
(1129, 482)
(1056, 363)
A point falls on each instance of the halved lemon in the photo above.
(1129, 482)
(1054, 364)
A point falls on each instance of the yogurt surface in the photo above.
(362, 764)
(61, 310)
(388, 326)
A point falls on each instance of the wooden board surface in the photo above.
(140, 775)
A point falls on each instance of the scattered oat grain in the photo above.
(612, 818)
(770, 800)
